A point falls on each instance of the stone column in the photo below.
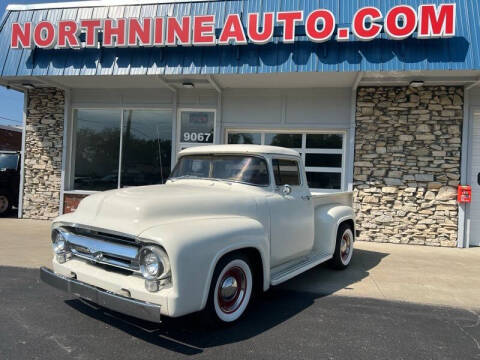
(407, 164)
(43, 153)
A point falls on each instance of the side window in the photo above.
(286, 172)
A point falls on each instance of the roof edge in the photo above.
(95, 3)
(239, 149)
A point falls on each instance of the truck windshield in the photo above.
(237, 168)
(8, 162)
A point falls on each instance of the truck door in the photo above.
(291, 211)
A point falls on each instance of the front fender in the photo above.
(194, 247)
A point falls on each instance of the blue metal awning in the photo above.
(458, 53)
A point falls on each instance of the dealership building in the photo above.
(381, 98)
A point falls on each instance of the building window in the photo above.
(115, 148)
(323, 153)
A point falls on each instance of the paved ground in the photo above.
(25, 243)
(37, 322)
(394, 302)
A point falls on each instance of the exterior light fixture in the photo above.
(417, 83)
(28, 86)
(188, 85)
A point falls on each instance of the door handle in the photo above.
(308, 197)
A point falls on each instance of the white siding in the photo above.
(304, 108)
(149, 98)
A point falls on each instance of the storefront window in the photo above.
(245, 138)
(322, 153)
(146, 147)
(97, 149)
(143, 144)
(292, 141)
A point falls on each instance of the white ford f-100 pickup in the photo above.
(231, 220)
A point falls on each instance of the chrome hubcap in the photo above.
(345, 247)
(229, 288)
(3, 204)
(232, 290)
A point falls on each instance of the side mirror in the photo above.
(286, 190)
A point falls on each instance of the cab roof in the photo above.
(239, 149)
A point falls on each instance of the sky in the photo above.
(11, 101)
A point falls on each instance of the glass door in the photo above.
(195, 128)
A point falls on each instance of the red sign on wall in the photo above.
(400, 22)
(464, 195)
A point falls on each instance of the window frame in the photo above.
(69, 186)
(304, 150)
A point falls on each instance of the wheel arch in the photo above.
(257, 258)
(349, 221)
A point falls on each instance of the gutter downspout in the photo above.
(464, 209)
(22, 154)
(351, 152)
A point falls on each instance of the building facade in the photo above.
(381, 100)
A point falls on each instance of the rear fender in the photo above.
(328, 219)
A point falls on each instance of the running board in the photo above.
(297, 268)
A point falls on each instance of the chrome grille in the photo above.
(102, 248)
(100, 234)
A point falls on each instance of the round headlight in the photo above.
(59, 244)
(153, 262)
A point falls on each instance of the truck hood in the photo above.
(134, 210)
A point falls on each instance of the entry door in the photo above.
(475, 183)
(195, 128)
(292, 225)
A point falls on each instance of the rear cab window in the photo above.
(286, 172)
(8, 162)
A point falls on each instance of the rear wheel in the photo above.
(230, 290)
(343, 247)
(5, 205)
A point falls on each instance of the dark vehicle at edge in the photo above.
(9, 180)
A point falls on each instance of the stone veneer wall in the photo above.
(407, 164)
(43, 153)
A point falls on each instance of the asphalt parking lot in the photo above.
(38, 322)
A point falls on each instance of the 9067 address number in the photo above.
(197, 137)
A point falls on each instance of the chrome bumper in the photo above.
(122, 304)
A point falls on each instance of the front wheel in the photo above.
(343, 248)
(5, 205)
(231, 289)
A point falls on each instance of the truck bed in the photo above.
(343, 198)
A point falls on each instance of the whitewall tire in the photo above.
(343, 248)
(231, 289)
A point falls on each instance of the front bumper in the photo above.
(139, 309)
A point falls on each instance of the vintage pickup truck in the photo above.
(231, 220)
